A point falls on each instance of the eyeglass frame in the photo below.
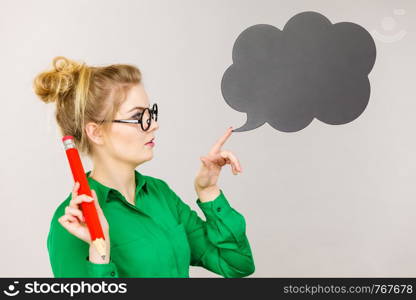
(153, 112)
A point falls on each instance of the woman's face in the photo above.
(127, 141)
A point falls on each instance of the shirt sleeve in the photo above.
(68, 255)
(102, 270)
(220, 243)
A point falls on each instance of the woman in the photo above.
(149, 230)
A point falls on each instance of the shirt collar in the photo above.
(103, 190)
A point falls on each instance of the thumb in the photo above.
(97, 205)
(205, 161)
(101, 215)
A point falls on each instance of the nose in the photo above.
(153, 126)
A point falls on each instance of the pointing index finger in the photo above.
(217, 146)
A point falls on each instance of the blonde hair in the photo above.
(84, 94)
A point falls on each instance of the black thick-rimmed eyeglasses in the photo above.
(143, 118)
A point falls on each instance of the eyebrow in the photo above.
(137, 107)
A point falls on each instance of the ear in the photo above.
(94, 133)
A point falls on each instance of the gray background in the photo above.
(324, 201)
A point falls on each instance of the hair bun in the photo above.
(55, 83)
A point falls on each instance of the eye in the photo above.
(136, 116)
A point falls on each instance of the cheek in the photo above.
(127, 138)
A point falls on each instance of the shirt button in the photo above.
(218, 209)
(113, 273)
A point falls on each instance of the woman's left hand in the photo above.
(212, 163)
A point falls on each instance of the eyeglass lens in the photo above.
(146, 121)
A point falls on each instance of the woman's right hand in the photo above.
(73, 219)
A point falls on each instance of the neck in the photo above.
(117, 176)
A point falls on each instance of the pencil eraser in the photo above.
(67, 137)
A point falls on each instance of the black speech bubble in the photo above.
(310, 69)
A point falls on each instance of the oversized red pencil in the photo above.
(88, 208)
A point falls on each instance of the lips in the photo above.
(150, 141)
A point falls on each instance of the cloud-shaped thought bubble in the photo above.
(310, 69)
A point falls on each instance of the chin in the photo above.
(147, 158)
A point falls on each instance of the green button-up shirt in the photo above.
(159, 236)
